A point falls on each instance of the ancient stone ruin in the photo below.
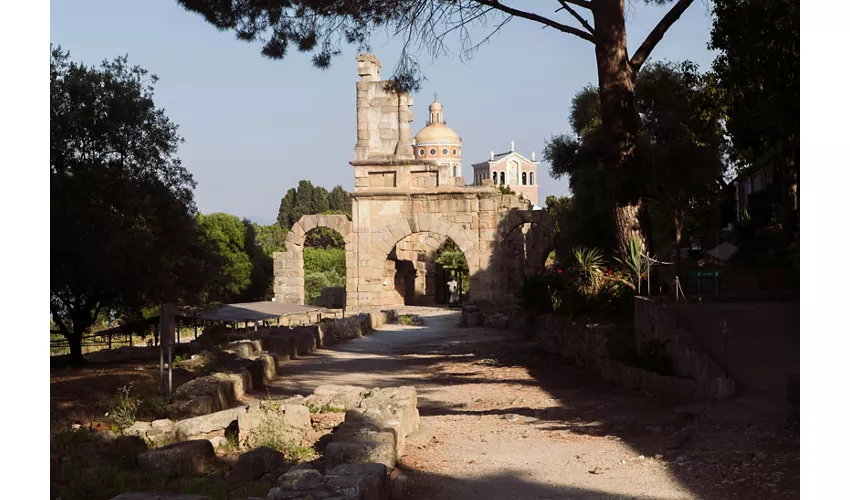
(404, 208)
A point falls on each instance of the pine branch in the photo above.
(658, 33)
(537, 18)
(566, 6)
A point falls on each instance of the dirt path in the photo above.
(514, 423)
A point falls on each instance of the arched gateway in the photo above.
(400, 199)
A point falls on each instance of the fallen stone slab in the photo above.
(257, 425)
(373, 419)
(367, 447)
(259, 461)
(158, 432)
(396, 403)
(345, 397)
(186, 458)
(201, 426)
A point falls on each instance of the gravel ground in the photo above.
(512, 422)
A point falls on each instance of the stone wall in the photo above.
(600, 346)
(250, 363)
(654, 321)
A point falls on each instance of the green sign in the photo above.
(706, 274)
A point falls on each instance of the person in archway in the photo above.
(454, 297)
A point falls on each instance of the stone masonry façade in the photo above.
(399, 199)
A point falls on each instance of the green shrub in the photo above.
(411, 320)
(317, 260)
(315, 282)
(325, 408)
(124, 408)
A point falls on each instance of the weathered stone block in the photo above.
(187, 458)
(192, 428)
(259, 461)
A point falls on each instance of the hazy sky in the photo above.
(254, 127)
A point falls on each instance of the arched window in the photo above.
(454, 170)
(524, 179)
(502, 177)
(531, 178)
(495, 177)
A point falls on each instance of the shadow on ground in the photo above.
(706, 451)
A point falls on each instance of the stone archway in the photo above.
(289, 265)
(527, 238)
(376, 273)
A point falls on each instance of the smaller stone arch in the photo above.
(289, 265)
(526, 238)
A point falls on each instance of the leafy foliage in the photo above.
(635, 265)
(757, 73)
(758, 70)
(324, 259)
(323, 267)
(307, 199)
(678, 165)
(246, 269)
(271, 238)
(122, 226)
(587, 270)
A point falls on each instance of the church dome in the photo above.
(436, 131)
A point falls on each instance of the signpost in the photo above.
(707, 273)
(167, 319)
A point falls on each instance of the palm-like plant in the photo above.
(636, 265)
(588, 270)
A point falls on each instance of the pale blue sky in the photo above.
(254, 127)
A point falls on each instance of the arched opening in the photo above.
(528, 246)
(452, 274)
(420, 267)
(524, 179)
(531, 178)
(324, 268)
(502, 177)
(495, 177)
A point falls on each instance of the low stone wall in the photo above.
(252, 362)
(654, 321)
(600, 346)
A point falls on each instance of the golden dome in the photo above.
(436, 132)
